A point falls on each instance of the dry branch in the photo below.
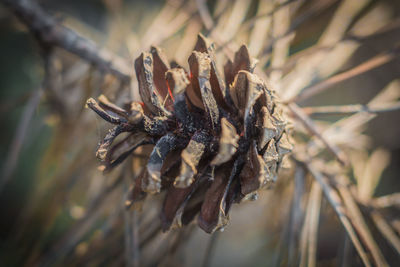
(387, 201)
(344, 109)
(21, 132)
(386, 230)
(50, 32)
(368, 65)
(359, 223)
(337, 204)
(310, 125)
(315, 207)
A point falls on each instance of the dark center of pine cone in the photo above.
(215, 141)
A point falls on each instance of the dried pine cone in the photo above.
(215, 142)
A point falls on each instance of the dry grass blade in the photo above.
(75, 233)
(347, 131)
(169, 20)
(308, 240)
(210, 249)
(223, 44)
(345, 109)
(309, 124)
(337, 204)
(395, 225)
(304, 235)
(250, 23)
(386, 230)
(289, 33)
(387, 201)
(280, 51)
(49, 31)
(19, 138)
(373, 63)
(315, 199)
(261, 29)
(371, 176)
(308, 69)
(226, 30)
(346, 252)
(205, 14)
(297, 211)
(155, 229)
(357, 219)
(132, 256)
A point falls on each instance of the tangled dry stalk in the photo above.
(330, 161)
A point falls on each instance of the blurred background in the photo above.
(59, 209)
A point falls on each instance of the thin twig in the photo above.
(386, 230)
(368, 65)
(296, 212)
(387, 201)
(19, 137)
(304, 234)
(250, 23)
(346, 252)
(131, 235)
(155, 229)
(315, 199)
(50, 32)
(205, 14)
(360, 225)
(336, 202)
(309, 124)
(6, 107)
(210, 249)
(75, 233)
(345, 109)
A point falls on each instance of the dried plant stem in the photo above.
(250, 23)
(5, 108)
(50, 32)
(19, 138)
(169, 20)
(260, 29)
(280, 249)
(131, 226)
(352, 109)
(308, 239)
(368, 65)
(296, 212)
(315, 201)
(205, 14)
(310, 125)
(337, 204)
(69, 240)
(316, 9)
(347, 251)
(356, 217)
(155, 229)
(387, 201)
(304, 237)
(210, 249)
(386, 230)
(180, 238)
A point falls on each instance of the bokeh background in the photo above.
(58, 209)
